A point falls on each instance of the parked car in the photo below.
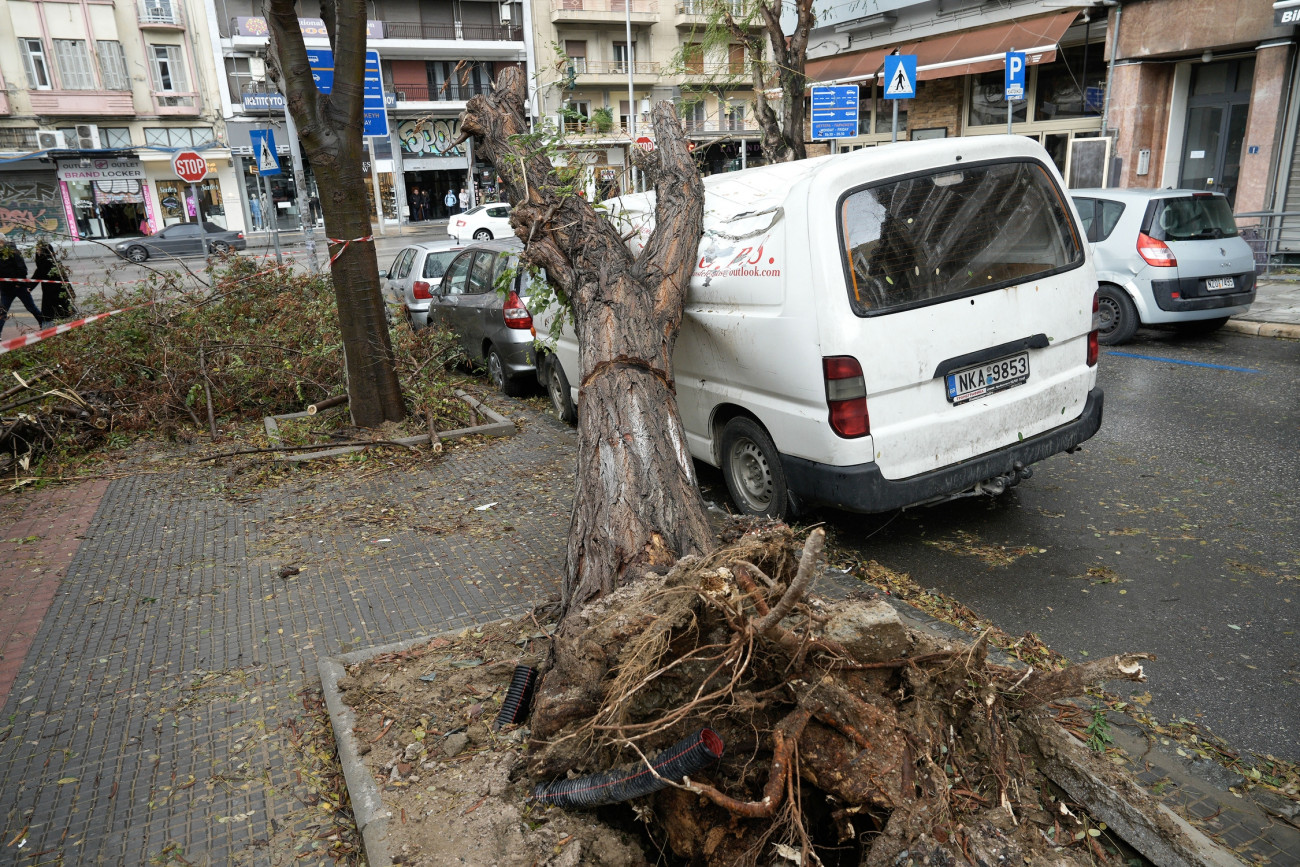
(415, 274)
(481, 224)
(183, 239)
(1165, 257)
(483, 299)
(899, 325)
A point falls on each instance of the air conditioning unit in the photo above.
(50, 140)
(87, 137)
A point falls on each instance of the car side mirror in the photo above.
(383, 274)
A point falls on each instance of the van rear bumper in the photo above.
(862, 488)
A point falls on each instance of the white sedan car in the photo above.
(481, 224)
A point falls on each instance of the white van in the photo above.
(882, 328)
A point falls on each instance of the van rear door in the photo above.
(968, 300)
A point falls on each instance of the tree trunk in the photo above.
(636, 505)
(330, 135)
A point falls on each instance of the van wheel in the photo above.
(752, 468)
(1119, 318)
(497, 373)
(557, 386)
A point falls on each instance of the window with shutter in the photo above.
(112, 65)
(38, 71)
(168, 68)
(74, 64)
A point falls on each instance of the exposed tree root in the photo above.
(849, 739)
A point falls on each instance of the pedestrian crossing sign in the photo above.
(900, 76)
(264, 151)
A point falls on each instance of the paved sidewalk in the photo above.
(151, 708)
(1275, 313)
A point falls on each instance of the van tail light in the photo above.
(420, 289)
(846, 394)
(516, 314)
(1155, 252)
(1093, 348)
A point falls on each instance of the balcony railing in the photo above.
(713, 125)
(706, 7)
(425, 93)
(456, 30)
(160, 13)
(619, 67)
(725, 67)
(636, 7)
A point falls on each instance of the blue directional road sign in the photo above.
(375, 117)
(264, 151)
(900, 76)
(835, 111)
(1015, 77)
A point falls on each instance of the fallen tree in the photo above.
(844, 738)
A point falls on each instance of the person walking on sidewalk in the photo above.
(450, 202)
(464, 199)
(14, 284)
(50, 273)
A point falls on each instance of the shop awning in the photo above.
(965, 53)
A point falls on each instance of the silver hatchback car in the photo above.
(1165, 257)
(415, 274)
(483, 299)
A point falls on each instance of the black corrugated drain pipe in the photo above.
(686, 757)
(515, 706)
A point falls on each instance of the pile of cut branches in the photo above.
(188, 356)
(848, 738)
(33, 418)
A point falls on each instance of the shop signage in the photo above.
(312, 28)
(190, 167)
(1286, 13)
(101, 170)
(835, 111)
(262, 101)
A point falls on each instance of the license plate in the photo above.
(1214, 283)
(972, 382)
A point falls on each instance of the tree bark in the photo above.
(782, 126)
(329, 130)
(636, 504)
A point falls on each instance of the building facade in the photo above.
(434, 56)
(95, 99)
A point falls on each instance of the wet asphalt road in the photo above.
(1173, 531)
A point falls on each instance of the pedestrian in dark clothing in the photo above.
(56, 294)
(15, 285)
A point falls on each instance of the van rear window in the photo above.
(955, 232)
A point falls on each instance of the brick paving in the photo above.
(147, 719)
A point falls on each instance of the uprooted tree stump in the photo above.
(848, 738)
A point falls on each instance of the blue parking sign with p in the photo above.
(1015, 77)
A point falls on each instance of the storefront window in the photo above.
(1066, 90)
(179, 205)
(277, 200)
(108, 209)
(988, 104)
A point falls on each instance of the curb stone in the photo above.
(1263, 329)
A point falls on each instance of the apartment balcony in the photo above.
(173, 103)
(453, 31)
(421, 97)
(604, 11)
(708, 73)
(713, 127)
(595, 72)
(83, 103)
(695, 14)
(160, 15)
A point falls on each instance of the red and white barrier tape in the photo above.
(345, 243)
(37, 336)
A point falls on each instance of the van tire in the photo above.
(752, 467)
(1119, 318)
(557, 388)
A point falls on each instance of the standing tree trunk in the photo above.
(636, 505)
(329, 130)
(782, 124)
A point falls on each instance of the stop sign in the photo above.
(645, 143)
(190, 167)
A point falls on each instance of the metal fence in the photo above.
(1274, 236)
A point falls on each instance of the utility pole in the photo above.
(300, 184)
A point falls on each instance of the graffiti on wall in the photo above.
(30, 206)
(430, 137)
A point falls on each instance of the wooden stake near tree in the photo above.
(329, 130)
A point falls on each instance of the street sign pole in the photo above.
(894, 135)
(900, 82)
(300, 185)
(1014, 83)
